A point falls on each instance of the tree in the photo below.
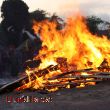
(92, 23)
(59, 21)
(39, 15)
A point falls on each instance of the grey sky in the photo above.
(99, 8)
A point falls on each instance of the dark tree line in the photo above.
(98, 26)
(40, 15)
(92, 23)
(95, 24)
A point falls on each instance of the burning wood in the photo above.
(87, 76)
(70, 72)
(68, 78)
(75, 83)
(58, 81)
(25, 79)
(70, 49)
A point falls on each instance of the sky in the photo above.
(65, 8)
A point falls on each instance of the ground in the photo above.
(88, 98)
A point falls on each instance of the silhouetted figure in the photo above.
(18, 42)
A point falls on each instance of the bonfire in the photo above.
(71, 57)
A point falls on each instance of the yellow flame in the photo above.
(74, 42)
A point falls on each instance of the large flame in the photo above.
(74, 43)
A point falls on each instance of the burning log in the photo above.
(87, 76)
(70, 72)
(102, 73)
(71, 84)
(17, 83)
(83, 70)
(32, 63)
(73, 80)
(75, 83)
(62, 64)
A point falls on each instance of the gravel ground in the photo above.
(88, 98)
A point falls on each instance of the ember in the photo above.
(64, 55)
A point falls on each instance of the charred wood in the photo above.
(17, 83)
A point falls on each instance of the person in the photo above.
(18, 42)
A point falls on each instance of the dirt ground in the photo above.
(88, 98)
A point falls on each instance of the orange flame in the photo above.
(74, 42)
